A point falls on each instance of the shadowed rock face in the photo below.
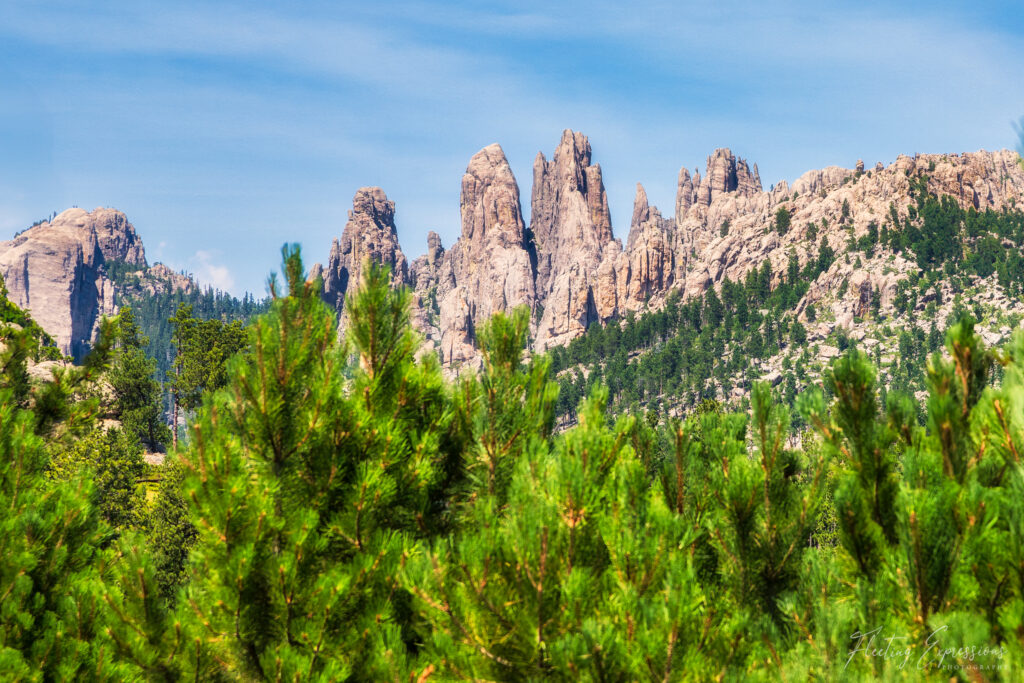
(54, 270)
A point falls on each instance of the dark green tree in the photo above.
(137, 394)
(782, 220)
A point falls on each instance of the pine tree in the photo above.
(137, 393)
(52, 540)
(113, 459)
(584, 575)
(304, 486)
(202, 349)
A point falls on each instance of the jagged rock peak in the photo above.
(572, 230)
(369, 233)
(374, 204)
(115, 236)
(725, 173)
(490, 199)
(569, 208)
(650, 257)
(685, 192)
(435, 250)
(489, 269)
(641, 207)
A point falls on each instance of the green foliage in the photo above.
(52, 557)
(583, 575)
(136, 393)
(171, 533)
(782, 220)
(341, 512)
(302, 488)
(113, 459)
(202, 349)
(150, 310)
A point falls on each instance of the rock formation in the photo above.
(567, 268)
(55, 271)
(571, 228)
(424, 277)
(370, 233)
(650, 252)
(489, 269)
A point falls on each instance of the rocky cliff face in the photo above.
(566, 267)
(59, 271)
(55, 271)
(489, 269)
(651, 254)
(734, 233)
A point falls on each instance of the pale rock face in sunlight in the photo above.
(54, 270)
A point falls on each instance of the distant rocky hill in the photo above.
(63, 271)
(567, 266)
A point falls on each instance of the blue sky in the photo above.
(226, 129)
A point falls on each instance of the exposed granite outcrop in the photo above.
(370, 233)
(489, 269)
(55, 271)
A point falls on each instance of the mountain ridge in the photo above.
(565, 264)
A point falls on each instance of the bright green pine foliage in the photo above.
(202, 349)
(583, 575)
(113, 459)
(303, 486)
(137, 394)
(52, 540)
(930, 526)
(341, 512)
(570, 566)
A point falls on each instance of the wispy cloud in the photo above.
(209, 273)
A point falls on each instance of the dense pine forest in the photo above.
(151, 307)
(693, 351)
(340, 511)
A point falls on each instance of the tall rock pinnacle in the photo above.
(650, 251)
(572, 228)
(490, 266)
(369, 233)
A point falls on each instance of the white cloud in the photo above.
(209, 273)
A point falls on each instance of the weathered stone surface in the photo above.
(982, 179)
(489, 269)
(425, 279)
(370, 233)
(685, 193)
(725, 174)
(571, 227)
(650, 252)
(55, 271)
